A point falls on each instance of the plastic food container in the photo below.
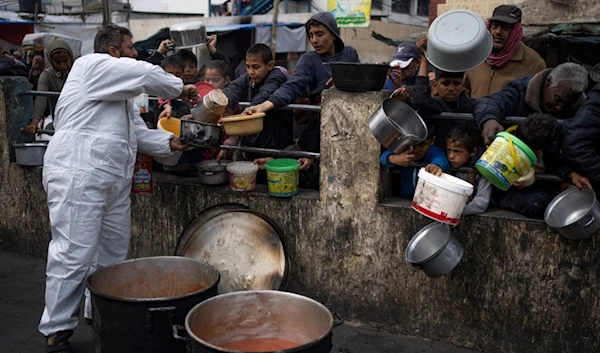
(283, 177)
(242, 176)
(243, 124)
(507, 159)
(172, 125)
(442, 198)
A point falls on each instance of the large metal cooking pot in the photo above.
(274, 321)
(434, 250)
(397, 126)
(458, 41)
(188, 34)
(574, 213)
(135, 303)
(213, 172)
(358, 77)
(30, 154)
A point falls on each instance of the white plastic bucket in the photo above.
(442, 198)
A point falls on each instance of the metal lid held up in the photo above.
(244, 246)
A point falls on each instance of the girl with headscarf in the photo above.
(51, 79)
(37, 67)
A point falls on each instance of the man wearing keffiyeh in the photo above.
(510, 57)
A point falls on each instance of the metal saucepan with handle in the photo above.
(574, 213)
(397, 126)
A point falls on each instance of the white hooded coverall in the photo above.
(87, 173)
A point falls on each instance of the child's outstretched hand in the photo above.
(580, 181)
(434, 169)
(402, 94)
(166, 113)
(262, 161)
(305, 163)
(402, 159)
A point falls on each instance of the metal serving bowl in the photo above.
(188, 34)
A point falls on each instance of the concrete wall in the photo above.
(535, 12)
(519, 288)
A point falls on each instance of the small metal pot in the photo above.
(188, 34)
(397, 126)
(211, 108)
(200, 134)
(434, 250)
(259, 315)
(213, 172)
(574, 213)
(30, 154)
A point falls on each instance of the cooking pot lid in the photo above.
(244, 246)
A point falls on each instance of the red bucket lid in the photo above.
(204, 88)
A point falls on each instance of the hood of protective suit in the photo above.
(55, 45)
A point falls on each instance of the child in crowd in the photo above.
(540, 133)
(190, 61)
(216, 73)
(463, 143)
(310, 72)
(425, 151)
(174, 108)
(259, 82)
(451, 96)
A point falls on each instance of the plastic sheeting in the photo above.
(289, 40)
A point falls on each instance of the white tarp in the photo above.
(41, 40)
(288, 40)
(85, 33)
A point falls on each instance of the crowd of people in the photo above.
(512, 82)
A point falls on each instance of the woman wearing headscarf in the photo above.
(37, 67)
(52, 79)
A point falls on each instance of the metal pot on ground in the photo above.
(135, 303)
(270, 319)
(397, 126)
(30, 154)
(213, 172)
(574, 213)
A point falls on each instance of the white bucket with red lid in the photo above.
(441, 198)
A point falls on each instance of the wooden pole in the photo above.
(274, 27)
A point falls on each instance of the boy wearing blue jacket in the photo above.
(310, 72)
(425, 151)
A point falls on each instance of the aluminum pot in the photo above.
(275, 321)
(397, 126)
(434, 250)
(358, 77)
(200, 134)
(211, 108)
(213, 172)
(30, 154)
(135, 303)
(458, 41)
(574, 213)
(188, 34)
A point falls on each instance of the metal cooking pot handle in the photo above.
(586, 223)
(176, 329)
(168, 310)
(337, 320)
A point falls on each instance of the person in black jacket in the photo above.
(558, 91)
(256, 86)
(10, 67)
(540, 132)
(581, 138)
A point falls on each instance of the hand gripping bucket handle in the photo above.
(514, 155)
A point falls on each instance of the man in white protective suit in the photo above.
(88, 169)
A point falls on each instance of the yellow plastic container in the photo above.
(283, 177)
(507, 159)
(172, 125)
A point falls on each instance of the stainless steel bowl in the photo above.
(397, 126)
(30, 154)
(434, 250)
(574, 213)
(458, 41)
(188, 34)
(213, 172)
